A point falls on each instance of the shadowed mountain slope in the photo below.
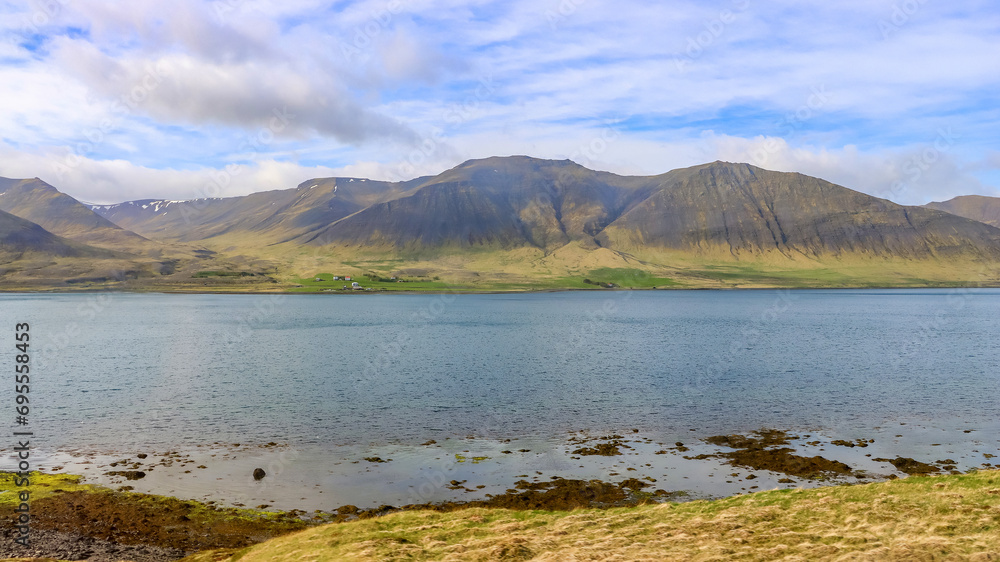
(18, 237)
(502, 202)
(716, 209)
(719, 211)
(742, 209)
(262, 218)
(38, 202)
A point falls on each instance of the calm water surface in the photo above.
(123, 370)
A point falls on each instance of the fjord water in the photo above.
(115, 371)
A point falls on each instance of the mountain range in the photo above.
(509, 222)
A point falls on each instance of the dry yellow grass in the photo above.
(926, 518)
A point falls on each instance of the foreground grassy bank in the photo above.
(917, 518)
(63, 503)
(955, 517)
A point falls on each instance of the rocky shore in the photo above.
(72, 520)
(47, 544)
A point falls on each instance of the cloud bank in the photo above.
(113, 101)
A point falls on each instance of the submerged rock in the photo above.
(128, 474)
(910, 466)
(765, 452)
(258, 473)
(602, 449)
(633, 484)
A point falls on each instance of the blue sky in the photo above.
(192, 98)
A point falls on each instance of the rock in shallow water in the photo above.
(258, 473)
(128, 474)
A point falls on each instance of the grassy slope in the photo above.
(281, 268)
(567, 269)
(917, 518)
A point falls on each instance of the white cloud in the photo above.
(692, 81)
(114, 181)
(184, 89)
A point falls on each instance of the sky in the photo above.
(114, 101)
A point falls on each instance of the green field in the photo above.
(860, 276)
(602, 278)
(327, 283)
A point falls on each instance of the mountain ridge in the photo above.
(521, 219)
(519, 201)
(980, 208)
(41, 203)
(19, 237)
(49, 239)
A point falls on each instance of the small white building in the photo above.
(336, 278)
(355, 285)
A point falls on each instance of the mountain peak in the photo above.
(982, 208)
(39, 202)
(513, 161)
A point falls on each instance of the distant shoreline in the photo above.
(65, 291)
